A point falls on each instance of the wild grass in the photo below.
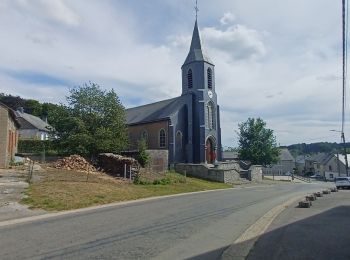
(64, 190)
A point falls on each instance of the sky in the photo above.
(278, 60)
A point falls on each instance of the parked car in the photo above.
(342, 182)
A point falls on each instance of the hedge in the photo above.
(35, 146)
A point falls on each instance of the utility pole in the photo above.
(345, 40)
(345, 154)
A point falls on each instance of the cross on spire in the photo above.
(196, 9)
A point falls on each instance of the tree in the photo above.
(257, 143)
(93, 122)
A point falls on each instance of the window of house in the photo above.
(210, 115)
(189, 79)
(331, 176)
(210, 78)
(162, 138)
(330, 167)
(178, 140)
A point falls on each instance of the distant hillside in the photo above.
(30, 106)
(321, 147)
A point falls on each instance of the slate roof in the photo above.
(196, 52)
(161, 110)
(12, 115)
(285, 155)
(29, 121)
(321, 158)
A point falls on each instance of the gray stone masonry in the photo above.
(227, 172)
(158, 160)
(255, 173)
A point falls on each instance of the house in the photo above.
(32, 127)
(285, 164)
(188, 126)
(8, 135)
(328, 166)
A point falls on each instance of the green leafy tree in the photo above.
(257, 143)
(143, 157)
(93, 122)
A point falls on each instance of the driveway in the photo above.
(12, 185)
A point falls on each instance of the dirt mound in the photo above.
(74, 162)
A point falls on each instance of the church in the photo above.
(187, 126)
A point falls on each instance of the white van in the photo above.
(342, 182)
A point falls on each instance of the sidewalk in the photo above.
(319, 232)
(12, 186)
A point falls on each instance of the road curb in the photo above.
(242, 245)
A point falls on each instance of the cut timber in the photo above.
(74, 162)
(116, 165)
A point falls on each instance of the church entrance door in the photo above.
(210, 152)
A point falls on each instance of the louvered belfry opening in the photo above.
(189, 78)
(210, 79)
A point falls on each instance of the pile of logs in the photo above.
(118, 165)
(74, 162)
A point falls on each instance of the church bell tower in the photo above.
(198, 80)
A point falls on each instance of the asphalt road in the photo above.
(197, 226)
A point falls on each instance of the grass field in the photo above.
(57, 190)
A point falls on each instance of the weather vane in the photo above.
(196, 9)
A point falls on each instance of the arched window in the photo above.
(144, 136)
(189, 79)
(210, 115)
(178, 140)
(162, 138)
(210, 78)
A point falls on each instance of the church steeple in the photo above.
(196, 52)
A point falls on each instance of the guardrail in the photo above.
(302, 178)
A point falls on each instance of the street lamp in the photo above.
(344, 147)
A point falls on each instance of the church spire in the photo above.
(196, 52)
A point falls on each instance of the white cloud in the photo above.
(228, 18)
(56, 11)
(238, 41)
